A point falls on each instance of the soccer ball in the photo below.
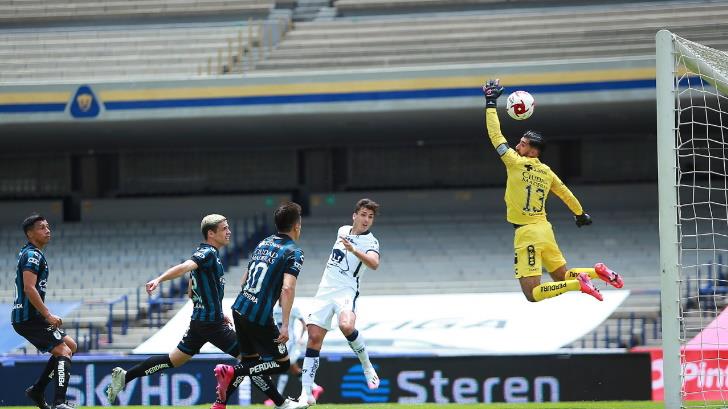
(520, 105)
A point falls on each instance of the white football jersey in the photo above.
(343, 268)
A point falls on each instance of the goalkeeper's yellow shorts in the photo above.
(535, 247)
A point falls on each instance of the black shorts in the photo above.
(257, 339)
(217, 333)
(40, 333)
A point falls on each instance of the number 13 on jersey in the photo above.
(539, 195)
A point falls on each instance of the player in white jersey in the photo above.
(355, 250)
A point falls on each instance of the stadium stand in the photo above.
(128, 51)
(621, 30)
(34, 11)
(202, 47)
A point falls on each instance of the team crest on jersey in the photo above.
(338, 259)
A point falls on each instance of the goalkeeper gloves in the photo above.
(492, 90)
(582, 220)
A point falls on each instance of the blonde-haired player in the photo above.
(528, 185)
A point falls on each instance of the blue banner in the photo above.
(191, 384)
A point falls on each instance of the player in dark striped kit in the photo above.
(34, 321)
(208, 323)
(272, 272)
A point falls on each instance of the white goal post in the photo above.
(692, 145)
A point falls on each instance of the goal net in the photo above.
(692, 105)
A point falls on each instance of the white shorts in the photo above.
(328, 303)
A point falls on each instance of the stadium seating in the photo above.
(375, 7)
(558, 33)
(458, 37)
(128, 51)
(34, 11)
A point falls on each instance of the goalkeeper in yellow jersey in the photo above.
(527, 187)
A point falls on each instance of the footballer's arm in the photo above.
(288, 293)
(492, 124)
(370, 258)
(29, 280)
(177, 271)
(562, 192)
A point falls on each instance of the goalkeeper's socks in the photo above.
(356, 342)
(554, 288)
(574, 272)
(308, 371)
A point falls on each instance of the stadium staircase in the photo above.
(308, 10)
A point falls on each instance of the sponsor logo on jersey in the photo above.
(250, 296)
(33, 260)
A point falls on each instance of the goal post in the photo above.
(667, 196)
(692, 158)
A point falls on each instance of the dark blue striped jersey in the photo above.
(30, 259)
(272, 258)
(208, 284)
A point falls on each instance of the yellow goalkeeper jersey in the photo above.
(529, 181)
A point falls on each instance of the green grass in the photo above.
(560, 405)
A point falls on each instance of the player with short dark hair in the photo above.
(208, 323)
(271, 275)
(32, 319)
(355, 249)
(528, 184)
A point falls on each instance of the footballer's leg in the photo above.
(553, 260)
(62, 375)
(319, 323)
(46, 339)
(223, 337)
(120, 377)
(316, 335)
(347, 323)
(600, 271)
(582, 283)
